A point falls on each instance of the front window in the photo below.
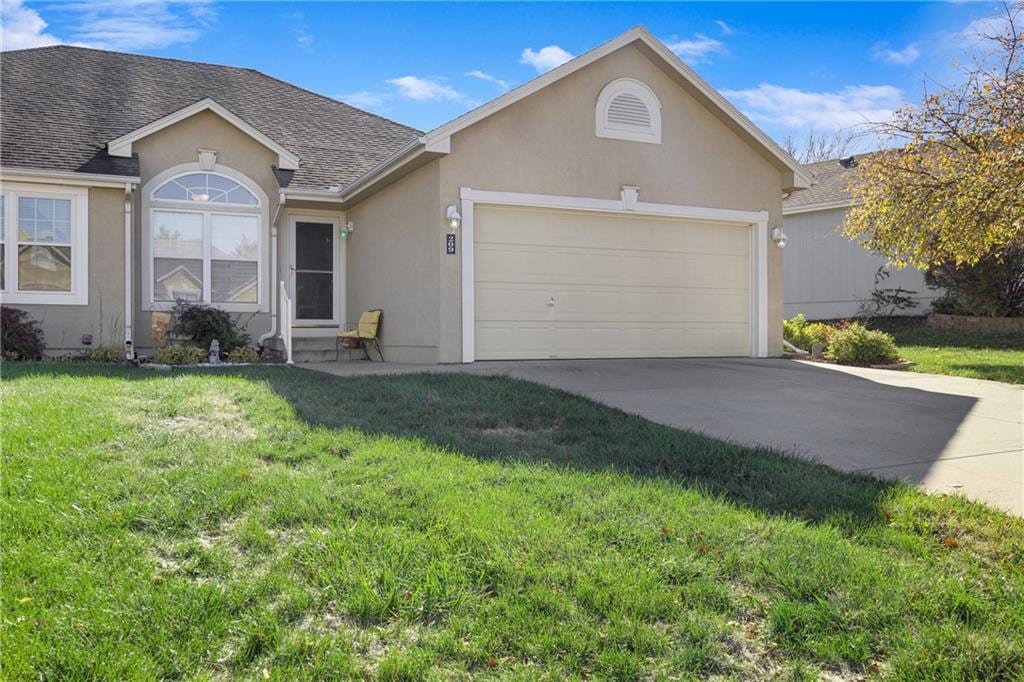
(43, 243)
(205, 231)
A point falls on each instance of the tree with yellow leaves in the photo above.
(953, 192)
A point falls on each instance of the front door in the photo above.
(314, 271)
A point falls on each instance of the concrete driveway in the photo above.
(947, 434)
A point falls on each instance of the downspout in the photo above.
(273, 272)
(129, 343)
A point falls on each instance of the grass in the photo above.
(979, 355)
(276, 523)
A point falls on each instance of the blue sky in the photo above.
(789, 66)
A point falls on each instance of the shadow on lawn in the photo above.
(503, 419)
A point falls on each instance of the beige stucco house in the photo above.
(616, 206)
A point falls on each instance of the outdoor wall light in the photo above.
(779, 236)
(454, 217)
(347, 229)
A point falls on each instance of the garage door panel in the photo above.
(620, 285)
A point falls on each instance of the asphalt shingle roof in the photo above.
(831, 183)
(62, 104)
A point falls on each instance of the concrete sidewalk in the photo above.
(947, 434)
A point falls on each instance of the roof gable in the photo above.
(122, 146)
(438, 141)
(439, 136)
(63, 104)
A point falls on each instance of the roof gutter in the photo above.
(69, 177)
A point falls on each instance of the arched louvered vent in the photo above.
(628, 110)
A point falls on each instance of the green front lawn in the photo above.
(999, 357)
(277, 523)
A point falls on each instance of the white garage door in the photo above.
(574, 284)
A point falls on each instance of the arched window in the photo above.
(205, 239)
(629, 110)
(206, 187)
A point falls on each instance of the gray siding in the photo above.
(827, 276)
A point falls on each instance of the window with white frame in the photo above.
(629, 110)
(205, 232)
(44, 244)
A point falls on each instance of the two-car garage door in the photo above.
(575, 284)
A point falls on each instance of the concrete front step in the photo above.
(322, 349)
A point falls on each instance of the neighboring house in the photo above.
(616, 206)
(826, 275)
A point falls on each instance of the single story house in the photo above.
(616, 206)
(827, 276)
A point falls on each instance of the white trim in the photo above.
(640, 90)
(65, 177)
(128, 255)
(79, 244)
(339, 289)
(122, 146)
(609, 205)
(820, 206)
(264, 277)
(759, 290)
(757, 220)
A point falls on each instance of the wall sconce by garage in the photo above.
(347, 229)
(779, 236)
(453, 217)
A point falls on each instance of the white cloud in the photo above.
(849, 107)
(131, 25)
(425, 89)
(696, 49)
(22, 27)
(724, 27)
(980, 30)
(546, 58)
(904, 57)
(365, 99)
(484, 76)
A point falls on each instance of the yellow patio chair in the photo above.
(367, 331)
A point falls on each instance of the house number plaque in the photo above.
(449, 244)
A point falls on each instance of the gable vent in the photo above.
(628, 110)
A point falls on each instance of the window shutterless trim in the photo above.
(261, 212)
(79, 244)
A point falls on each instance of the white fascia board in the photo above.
(71, 178)
(801, 177)
(820, 206)
(122, 146)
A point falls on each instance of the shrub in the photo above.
(244, 354)
(21, 337)
(994, 287)
(794, 330)
(202, 324)
(819, 331)
(179, 355)
(858, 345)
(105, 354)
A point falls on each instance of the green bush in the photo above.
(819, 331)
(244, 354)
(105, 354)
(179, 355)
(858, 345)
(203, 323)
(794, 330)
(21, 337)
